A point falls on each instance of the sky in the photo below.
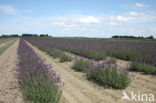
(81, 18)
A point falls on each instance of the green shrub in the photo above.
(65, 58)
(97, 56)
(88, 54)
(38, 92)
(81, 65)
(109, 77)
(146, 68)
(112, 60)
(124, 55)
(55, 53)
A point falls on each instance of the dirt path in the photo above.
(79, 90)
(9, 92)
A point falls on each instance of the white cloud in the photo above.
(9, 9)
(141, 5)
(59, 23)
(89, 19)
(133, 13)
(82, 25)
(121, 18)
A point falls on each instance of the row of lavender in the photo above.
(106, 74)
(137, 51)
(38, 81)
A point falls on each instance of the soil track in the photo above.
(79, 90)
(9, 92)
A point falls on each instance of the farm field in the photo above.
(77, 51)
(98, 49)
(45, 70)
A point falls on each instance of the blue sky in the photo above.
(89, 18)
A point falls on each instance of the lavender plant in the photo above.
(81, 65)
(109, 76)
(38, 81)
(106, 74)
(147, 69)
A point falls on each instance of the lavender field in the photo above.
(70, 70)
(77, 51)
(98, 49)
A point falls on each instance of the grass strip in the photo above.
(3, 48)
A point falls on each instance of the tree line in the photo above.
(132, 37)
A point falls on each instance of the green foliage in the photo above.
(89, 54)
(65, 58)
(109, 77)
(112, 60)
(38, 92)
(148, 69)
(55, 53)
(81, 65)
(124, 56)
(59, 54)
(106, 76)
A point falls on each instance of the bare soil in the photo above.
(78, 89)
(9, 89)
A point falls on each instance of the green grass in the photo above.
(146, 68)
(3, 48)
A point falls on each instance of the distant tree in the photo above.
(11, 35)
(132, 37)
(14, 35)
(29, 35)
(150, 37)
(43, 35)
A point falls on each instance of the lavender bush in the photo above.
(147, 69)
(105, 74)
(108, 75)
(38, 81)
